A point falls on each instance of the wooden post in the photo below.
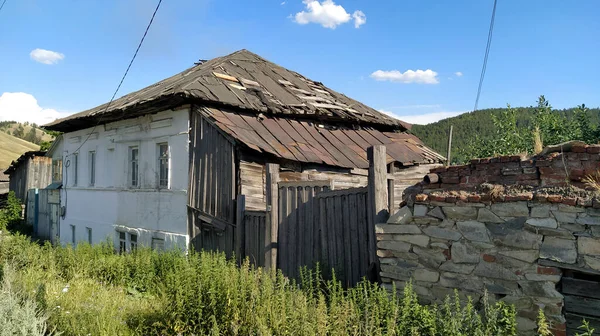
(240, 228)
(378, 195)
(272, 227)
(390, 187)
(449, 146)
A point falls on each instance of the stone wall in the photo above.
(513, 238)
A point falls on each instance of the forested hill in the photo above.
(469, 125)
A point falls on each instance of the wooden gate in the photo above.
(582, 300)
(320, 225)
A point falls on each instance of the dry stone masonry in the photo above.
(512, 241)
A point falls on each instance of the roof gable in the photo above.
(242, 80)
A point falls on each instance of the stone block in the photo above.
(497, 286)
(396, 272)
(539, 289)
(565, 217)
(419, 240)
(591, 211)
(494, 271)
(540, 211)
(460, 213)
(595, 231)
(570, 208)
(442, 246)
(384, 253)
(420, 210)
(559, 249)
(393, 246)
(395, 229)
(426, 275)
(562, 233)
(406, 256)
(519, 239)
(509, 226)
(437, 213)
(525, 325)
(441, 293)
(589, 246)
(592, 262)
(402, 216)
(453, 267)
(574, 227)
(486, 216)
(543, 222)
(528, 256)
(474, 231)
(455, 280)
(511, 209)
(426, 220)
(585, 219)
(463, 253)
(542, 277)
(429, 258)
(437, 232)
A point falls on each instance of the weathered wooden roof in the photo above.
(241, 80)
(312, 142)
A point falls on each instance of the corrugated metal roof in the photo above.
(241, 80)
(311, 142)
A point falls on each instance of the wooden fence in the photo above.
(43, 213)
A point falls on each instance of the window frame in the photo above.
(57, 170)
(73, 237)
(122, 241)
(130, 163)
(75, 168)
(92, 167)
(89, 234)
(163, 161)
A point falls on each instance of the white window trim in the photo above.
(92, 167)
(159, 162)
(129, 244)
(75, 168)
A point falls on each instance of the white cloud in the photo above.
(409, 76)
(328, 14)
(46, 56)
(458, 74)
(423, 119)
(21, 107)
(359, 19)
(283, 3)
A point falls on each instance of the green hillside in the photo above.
(11, 148)
(27, 131)
(476, 126)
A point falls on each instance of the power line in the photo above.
(487, 52)
(1, 6)
(122, 78)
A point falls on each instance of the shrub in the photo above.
(10, 215)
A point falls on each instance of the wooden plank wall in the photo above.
(298, 231)
(252, 179)
(582, 301)
(34, 173)
(344, 234)
(255, 225)
(212, 187)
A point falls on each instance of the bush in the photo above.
(18, 315)
(91, 290)
(10, 215)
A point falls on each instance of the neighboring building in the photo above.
(164, 166)
(31, 170)
(4, 183)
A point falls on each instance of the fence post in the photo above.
(240, 228)
(378, 201)
(272, 225)
(390, 187)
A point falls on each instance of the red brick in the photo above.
(511, 198)
(593, 149)
(451, 180)
(437, 198)
(487, 160)
(578, 148)
(515, 158)
(541, 198)
(559, 329)
(474, 198)
(447, 253)
(485, 198)
(489, 258)
(548, 270)
(504, 158)
(456, 168)
(555, 198)
(437, 170)
(475, 161)
(583, 156)
(570, 200)
(543, 163)
(464, 179)
(547, 170)
(526, 177)
(576, 174)
(421, 198)
(584, 202)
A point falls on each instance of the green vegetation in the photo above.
(29, 132)
(510, 130)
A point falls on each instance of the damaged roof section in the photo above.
(242, 80)
(312, 142)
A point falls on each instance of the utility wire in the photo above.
(1, 6)
(485, 58)
(122, 78)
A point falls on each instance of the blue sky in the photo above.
(546, 47)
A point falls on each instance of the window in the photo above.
(158, 244)
(73, 240)
(89, 234)
(75, 167)
(122, 242)
(56, 170)
(109, 165)
(163, 165)
(133, 242)
(92, 162)
(133, 166)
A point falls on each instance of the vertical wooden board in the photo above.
(332, 234)
(321, 221)
(353, 225)
(293, 231)
(346, 224)
(283, 230)
(311, 243)
(301, 225)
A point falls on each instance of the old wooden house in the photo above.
(31, 170)
(233, 141)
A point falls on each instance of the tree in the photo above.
(19, 132)
(31, 136)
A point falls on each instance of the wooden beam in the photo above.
(272, 227)
(378, 197)
(239, 228)
(390, 187)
